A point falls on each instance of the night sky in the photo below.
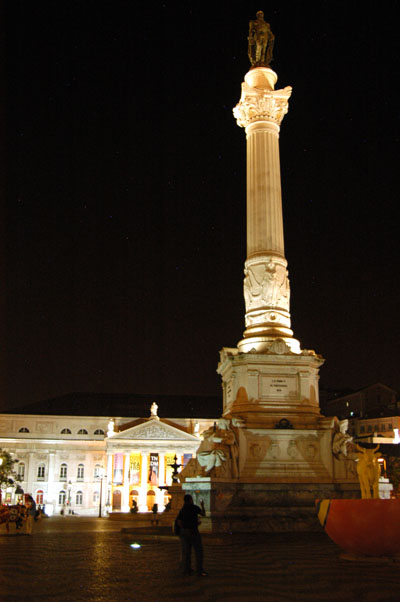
(124, 209)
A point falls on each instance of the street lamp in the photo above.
(101, 475)
(69, 497)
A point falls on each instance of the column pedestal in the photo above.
(262, 389)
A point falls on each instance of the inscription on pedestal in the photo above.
(278, 386)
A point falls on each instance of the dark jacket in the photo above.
(188, 517)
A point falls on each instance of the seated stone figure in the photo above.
(341, 439)
(217, 455)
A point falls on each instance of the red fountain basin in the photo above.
(362, 527)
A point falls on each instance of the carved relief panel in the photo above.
(266, 291)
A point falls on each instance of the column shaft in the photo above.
(143, 483)
(125, 490)
(264, 197)
(266, 285)
(161, 481)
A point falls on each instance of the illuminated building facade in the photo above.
(92, 465)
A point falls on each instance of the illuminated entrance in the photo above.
(140, 460)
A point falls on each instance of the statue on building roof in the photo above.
(110, 428)
(153, 410)
(261, 41)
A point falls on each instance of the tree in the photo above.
(8, 476)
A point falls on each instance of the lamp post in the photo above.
(69, 497)
(101, 474)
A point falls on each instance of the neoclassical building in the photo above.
(97, 464)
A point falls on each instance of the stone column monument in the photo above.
(268, 377)
(271, 454)
(266, 285)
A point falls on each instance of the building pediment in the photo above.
(153, 430)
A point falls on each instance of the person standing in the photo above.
(188, 522)
(31, 509)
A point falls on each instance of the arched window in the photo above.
(79, 498)
(66, 432)
(98, 432)
(63, 472)
(82, 432)
(62, 497)
(39, 496)
(97, 471)
(41, 469)
(23, 430)
(80, 472)
(21, 470)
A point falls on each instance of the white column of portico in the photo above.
(31, 473)
(125, 489)
(161, 481)
(109, 477)
(266, 284)
(50, 498)
(143, 482)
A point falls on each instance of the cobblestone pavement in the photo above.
(75, 558)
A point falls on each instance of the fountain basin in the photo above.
(366, 527)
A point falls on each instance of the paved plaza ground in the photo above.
(75, 558)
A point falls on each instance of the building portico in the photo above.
(140, 459)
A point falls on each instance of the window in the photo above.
(66, 432)
(383, 427)
(369, 429)
(376, 427)
(23, 430)
(79, 498)
(390, 427)
(40, 472)
(99, 432)
(39, 496)
(63, 472)
(82, 432)
(21, 470)
(97, 471)
(80, 471)
(62, 497)
(96, 497)
(362, 429)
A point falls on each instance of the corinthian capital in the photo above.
(258, 104)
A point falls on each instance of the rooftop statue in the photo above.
(261, 42)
